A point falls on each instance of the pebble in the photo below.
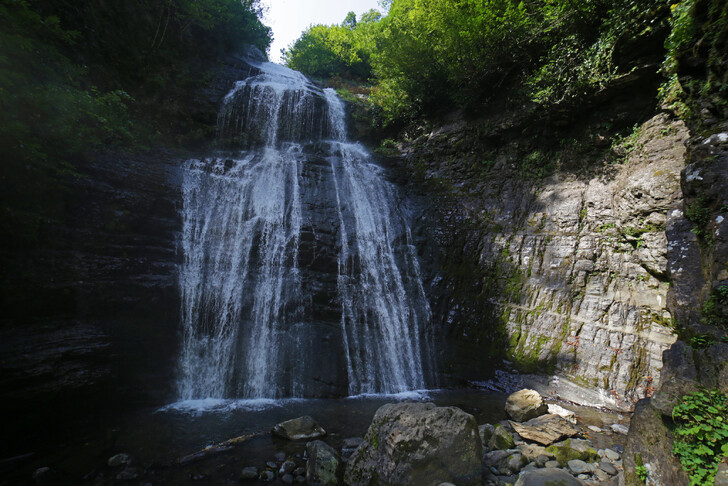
(594, 428)
(120, 460)
(620, 429)
(250, 472)
(583, 477)
(612, 455)
(608, 468)
(300, 479)
(280, 456)
(267, 476)
(287, 467)
(43, 475)
(601, 475)
(287, 478)
(551, 464)
(271, 465)
(578, 466)
(128, 474)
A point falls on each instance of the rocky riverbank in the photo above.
(522, 439)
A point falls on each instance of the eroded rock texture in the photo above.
(575, 266)
(417, 443)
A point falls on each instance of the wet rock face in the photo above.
(577, 268)
(418, 443)
(93, 315)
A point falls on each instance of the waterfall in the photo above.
(299, 277)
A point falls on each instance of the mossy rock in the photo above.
(567, 451)
(501, 439)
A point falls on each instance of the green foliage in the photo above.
(699, 31)
(79, 77)
(702, 341)
(701, 433)
(699, 213)
(325, 51)
(715, 308)
(641, 472)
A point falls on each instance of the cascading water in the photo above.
(299, 275)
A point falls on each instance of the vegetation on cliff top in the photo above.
(76, 77)
(426, 56)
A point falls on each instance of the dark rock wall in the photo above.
(90, 329)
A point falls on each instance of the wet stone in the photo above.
(601, 475)
(120, 460)
(250, 472)
(280, 456)
(578, 466)
(128, 474)
(612, 455)
(287, 467)
(608, 468)
(267, 476)
(287, 479)
(299, 471)
(43, 475)
(271, 465)
(542, 460)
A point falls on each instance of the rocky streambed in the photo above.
(457, 437)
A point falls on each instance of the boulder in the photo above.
(415, 444)
(525, 405)
(501, 439)
(562, 412)
(650, 443)
(571, 449)
(299, 428)
(323, 466)
(545, 429)
(548, 477)
(531, 451)
(721, 477)
(486, 432)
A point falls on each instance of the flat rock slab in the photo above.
(548, 477)
(299, 428)
(545, 429)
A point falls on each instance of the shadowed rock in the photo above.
(415, 444)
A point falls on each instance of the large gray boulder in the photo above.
(299, 428)
(418, 444)
(322, 468)
(524, 405)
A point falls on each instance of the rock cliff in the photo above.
(571, 270)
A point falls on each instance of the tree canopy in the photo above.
(428, 55)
